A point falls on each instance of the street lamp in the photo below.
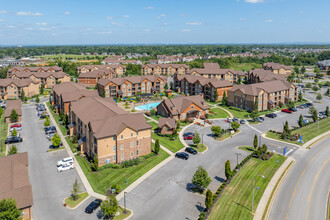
(202, 141)
(253, 189)
(237, 154)
(125, 202)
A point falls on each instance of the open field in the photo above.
(236, 200)
(245, 66)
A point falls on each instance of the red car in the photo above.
(287, 111)
(16, 126)
(188, 137)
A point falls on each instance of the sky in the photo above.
(68, 22)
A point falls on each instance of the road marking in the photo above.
(303, 173)
(254, 129)
(289, 152)
(317, 175)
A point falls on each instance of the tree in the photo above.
(37, 99)
(290, 104)
(75, 190)
(235, 125)
(239, 81)
(296, 70)
(14, 132)
(255, 141)
(56, 140)
(12, 150)
(166, 86)
(327, 111)
(316, 69)
(47, 122)
(326, 93)
(110, 206)
(103, 94)
(309, 85)
(95, 163)
(41, 91)
(197, 138)
(215, 95)
(224, 99)
(302, 70)
(201, 178)
(319, 97)
(316, 80)
(157, 146)
(216, 130)
(9, 210)
(314, 115)
(319, 75)
(228, 172)
(300, 97)
(1, 111)
(311, 110)
(286, 131)
(301, 121)
(178, 125)
(13, 116)
(208, 199)
(254, 114)
(328, 72)
(315, 88)
(171, 85)
(23, 98)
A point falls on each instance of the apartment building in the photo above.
(15, 182)
(91, 78)
(277, 68)
(130, 86)
(269, 95)
(48, 79)
(117, 68)
(261, 75)
(13, 105)
(212, 70)
(12, 88)
(117, 61)
(65, 93)
(164, 69)
(198, 85)
(34, 69)
(183, 107)
(105, 129)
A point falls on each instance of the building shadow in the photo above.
(221, 180)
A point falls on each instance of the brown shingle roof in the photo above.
(15, 179)
(170, 122)
(35, 69)
(13, 104)
(179, 104)
(203, 81)
(132, 79)
(151, 65)
(68, 87)
(78, 94)
(275, 66)
(57, 75)
(266, 75)
(90, 67)
(96, 73)
(17, 82)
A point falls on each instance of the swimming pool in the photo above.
(148, 106)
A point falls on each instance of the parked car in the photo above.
(182, 155)
(229, 120)
(271, 115)
(322, 113)
(50, 136)
(16, 125)
(242, 121)
(188, 137)
(67, 160)
(305, 121)
(65, 167)
(16, 128)
(13, 140)
(53, 147)
(235, 119)
(191, 150)
(259, 120)
(189, 133)
(292, 109)
(47, 129)
(287, 111)
(50, 131)
(93, 206)
(43, 115)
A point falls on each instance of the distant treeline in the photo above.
(151, 50)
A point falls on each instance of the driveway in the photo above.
(49, 187)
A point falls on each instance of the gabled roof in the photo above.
(179, 104)
(15, 179)
(90, 67)
(275, 66)
(68, 87)
(57, 75)
(132, 79)
(214, 82)
(266, 75)
(96, 73)
(152, 65)
(17, 82)
(13, 104)
(35, 69)
(169, 122)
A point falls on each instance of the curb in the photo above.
(68, 207)
(308, 145)
(264, 136)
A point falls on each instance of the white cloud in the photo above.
(254, 1)
(41, 24)
(105, 32)
(126, 16)
(3, 12)
(11, 26)
(242, 19)
(194, 23)
(67, 13)
(147, 30)
(109, 18)
(115, 23)
(161, 16)
(149, 8)
(185, 30)
(45, 29)
(29, 29)
(22, 13)
(1, 20)
(269, 20)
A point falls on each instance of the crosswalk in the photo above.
(28, 106)
(254, 129)
(298, 153)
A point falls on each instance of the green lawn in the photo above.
(102, 180)
(218, 113)
(200, 148)
(122, 215)
(246, 148)
(226, 135)
(156, 117)
(308, 132)
(245, 66)
(71, 203)
(236, 200)
(71, 145)
(153, 124)
(3, 134)
(238, 114)
(173, 146)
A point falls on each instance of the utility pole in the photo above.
(202, 141)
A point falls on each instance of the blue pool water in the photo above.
(148, 106)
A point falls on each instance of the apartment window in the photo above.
(132, 154)
(122, 136)
(122, 147)
(131, 134)
(137, 133)
(114, 147)
(132, 144)
(114, 159)
(107, 161)
(124, 86)
(114, 138)
(137, 153)
(137, 143)
(122, 157)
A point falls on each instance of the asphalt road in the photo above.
(303, 193)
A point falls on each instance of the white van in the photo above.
(67, 160)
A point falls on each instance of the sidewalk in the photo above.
(268, 192)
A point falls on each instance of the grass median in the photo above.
(218, 113)
(236, 200)
(308, 132)
(102, 180)
(3, 135)
(71, 203)
(173, 146)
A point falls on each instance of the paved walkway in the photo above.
(150, 118)
(215, 106)
(164, 148)
(270, 187)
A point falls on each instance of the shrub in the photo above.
(190, 120)
(116, 187)
(202, 216)
(202, 117)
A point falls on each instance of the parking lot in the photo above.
(49, 187)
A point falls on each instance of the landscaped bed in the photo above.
(3, 135)
(236, 199)
(200, 148)
(173, 146)
(102, 180)
(71, 203)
